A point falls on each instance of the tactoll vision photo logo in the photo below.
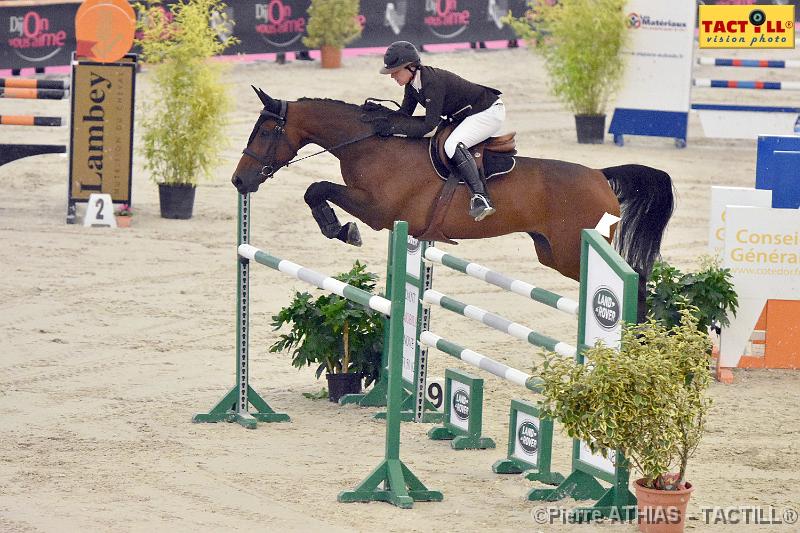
(36, 38)
(752, 26)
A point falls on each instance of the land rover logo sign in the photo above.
(605, 307)
(528, 437)
(461, 404)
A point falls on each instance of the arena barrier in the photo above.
(733, 121)
(31, 89)
(29, 120)
(398, 485)
(33, 94)
(31, 83)
(608, 296)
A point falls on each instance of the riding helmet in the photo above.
(400, 54)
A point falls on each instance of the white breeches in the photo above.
(477, 128)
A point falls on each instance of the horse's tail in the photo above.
(646, 202)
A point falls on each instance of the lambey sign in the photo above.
(102, 130)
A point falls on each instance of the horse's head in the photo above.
(268, 149)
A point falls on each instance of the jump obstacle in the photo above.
(27, 88)
(608, 294)
(399, 486)
(746, 121)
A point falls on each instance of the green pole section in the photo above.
(234, 406)
(400, 486)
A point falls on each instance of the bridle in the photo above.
(268, 169)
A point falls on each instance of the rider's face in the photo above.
(402, 76)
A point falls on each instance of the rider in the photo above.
(443, 93)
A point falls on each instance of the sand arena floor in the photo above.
(111, 340)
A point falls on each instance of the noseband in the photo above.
(268, 169)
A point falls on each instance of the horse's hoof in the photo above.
(353, 235)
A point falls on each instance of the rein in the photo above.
(267, 169)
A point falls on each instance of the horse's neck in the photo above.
(329, 125)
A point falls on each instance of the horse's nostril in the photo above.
(236, 180)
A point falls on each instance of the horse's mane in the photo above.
(352, 107)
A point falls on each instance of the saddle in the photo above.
(494, 157)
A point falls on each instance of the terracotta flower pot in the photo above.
(331, 56)
(124, 222)
(662, 511)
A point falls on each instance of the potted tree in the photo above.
(647, 400)
(581, 43)
(187, 103)
(709, 292)
(342, 338)
(331, 25)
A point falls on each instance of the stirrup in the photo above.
(480, 207)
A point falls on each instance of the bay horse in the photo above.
(392, 178)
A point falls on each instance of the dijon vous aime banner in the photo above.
(762, 250)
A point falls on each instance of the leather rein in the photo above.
(268, 169)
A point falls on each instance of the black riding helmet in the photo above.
(399, 55)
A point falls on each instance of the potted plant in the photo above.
(123, 214)
(647, 400)
(342, 338)
(581, 42)
(187, 103)
(709, 292)
(331, 25)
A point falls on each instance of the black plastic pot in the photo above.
(591, 128)
(341, 384)
(177, 201)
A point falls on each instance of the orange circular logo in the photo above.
(104, 30)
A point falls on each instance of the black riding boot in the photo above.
(480, 206)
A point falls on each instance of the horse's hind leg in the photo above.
(317, 196)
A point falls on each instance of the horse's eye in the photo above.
(263, 133)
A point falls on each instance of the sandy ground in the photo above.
(111, 340)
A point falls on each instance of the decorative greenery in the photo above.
(710, 291)
(332, 23)
(648, 400)
(124, 211)
(338, 335)
(185, 116)
(581, 42)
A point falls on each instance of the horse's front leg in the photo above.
(352, 201)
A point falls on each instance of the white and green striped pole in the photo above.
(499, 323)
(477, 271)
(478, 360)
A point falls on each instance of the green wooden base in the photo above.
(578, 485)
(376, 397)
(225, 411)
(408, 414)
(400, 487)
(461, 442)
(510, 466)
(619, 505)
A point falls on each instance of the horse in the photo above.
(392, 178)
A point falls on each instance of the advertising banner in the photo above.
(37, 35)
(762, 249)
(101, 136)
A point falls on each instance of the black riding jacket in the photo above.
(443, 94)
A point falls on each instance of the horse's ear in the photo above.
(264, 97)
